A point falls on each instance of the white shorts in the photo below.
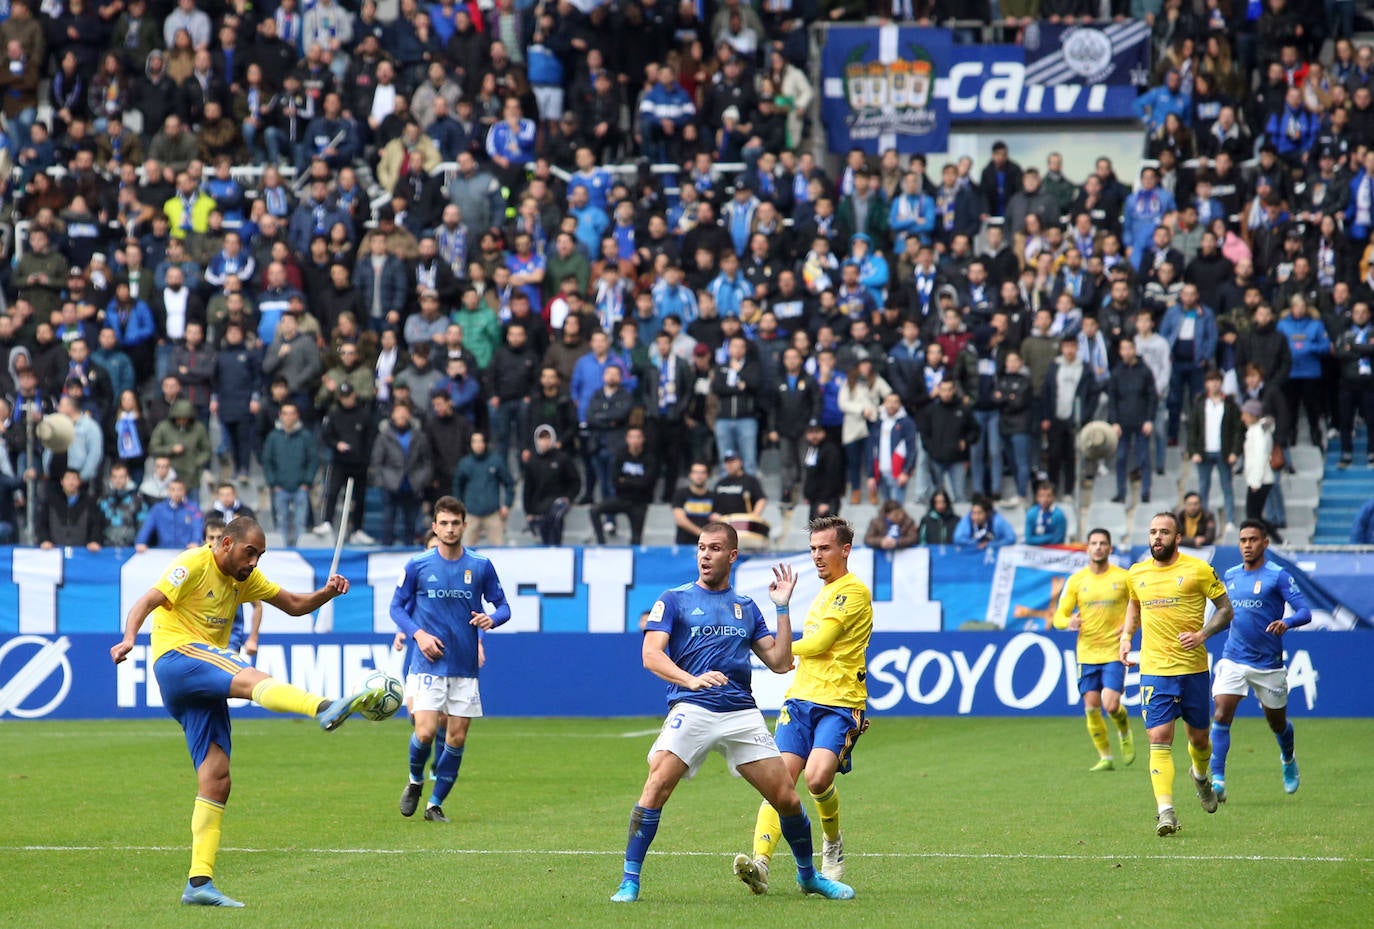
(1270, 684)
(690, 732)
(550, 100)
(456, 696)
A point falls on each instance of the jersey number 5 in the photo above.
(677, 721)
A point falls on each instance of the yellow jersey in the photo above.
(832, 666)
(1172, 599)
(1100, 601)
(202, 601)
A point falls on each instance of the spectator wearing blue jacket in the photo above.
(1046, 523)
(510, 143)
(912, 213)
(1292, 130)
(592, 221)
(729, 287)
(589, 371)
(873, 270)
(134, 328)
(1171, 97)
(274, 302)
(982, 528)
(665, 118)
(1191, 331)
(1359, 214)
(172, 523)
(1362, 531)
(1145, 210)
(674, 298)
(381, 281)
(1308, 344)
(315, 215)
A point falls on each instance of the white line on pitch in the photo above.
(972, 856)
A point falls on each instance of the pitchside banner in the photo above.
(607, 590)
(580, 674)
(893, 87)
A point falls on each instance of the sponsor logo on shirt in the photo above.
(440, 593)
(704, 631)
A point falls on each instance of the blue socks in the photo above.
(445, 773)
(643, 828)
(1285, 740)
(796, 830)
(419, 757)
(1221, 744)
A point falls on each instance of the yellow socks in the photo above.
(285, 698)
(1162, 774)
(1122, 719)
(767, 831)
(828, 806)
(1097, 730)
(205, 829)
(1202, 758)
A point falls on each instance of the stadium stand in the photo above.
(229, 207)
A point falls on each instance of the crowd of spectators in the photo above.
(526, 321)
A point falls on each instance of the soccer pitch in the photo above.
(947, 822)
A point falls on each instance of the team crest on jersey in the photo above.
(839, 601)
(1258, 585)
(467, 576)
(177, 576)
(739, 611)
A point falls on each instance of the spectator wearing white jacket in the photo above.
(1259, 477)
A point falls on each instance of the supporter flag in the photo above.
(879, 88)
(1114, 54)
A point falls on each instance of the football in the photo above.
(390, 703)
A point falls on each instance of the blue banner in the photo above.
(572, 674)
(880, 88)
(893, 87)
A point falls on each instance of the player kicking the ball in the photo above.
(698, 638)
(438, 603)
(193, 608)
(1253, 656)
(823, 715)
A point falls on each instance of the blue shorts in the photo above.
(1164, 699)
(803, 725)
(1108, 676)
(194, 680)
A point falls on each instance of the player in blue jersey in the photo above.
(1253, 656)
(243, 638)
(438, 603)
(698, 638)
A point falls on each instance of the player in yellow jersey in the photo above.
(1169, 594)
(1094, 604)
(823, 713)
(193, 608)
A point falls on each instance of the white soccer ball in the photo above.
(391, 702)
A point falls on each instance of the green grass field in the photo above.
(948, 823)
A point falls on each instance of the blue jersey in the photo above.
(1259, 597)
(710, 630)
(440, 596)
